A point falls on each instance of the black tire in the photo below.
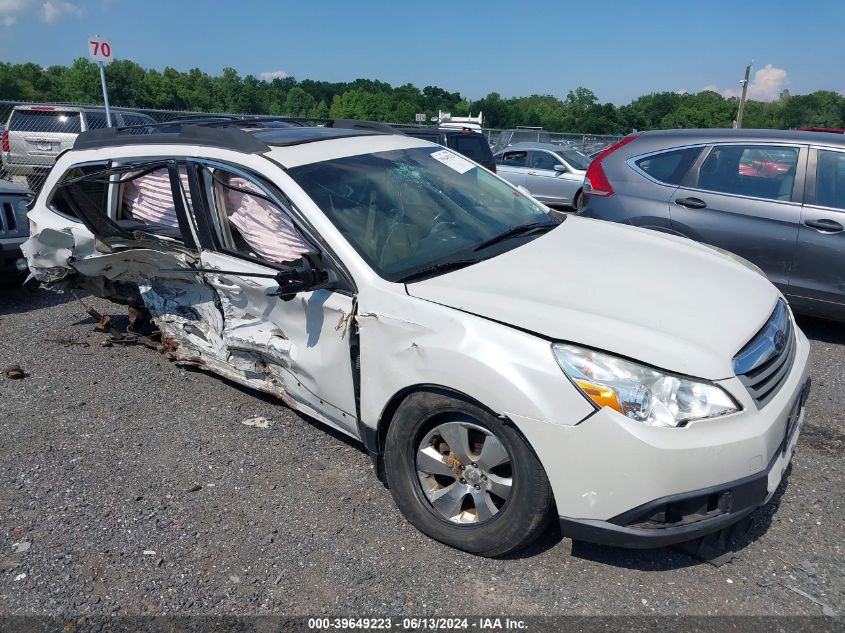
(578, 200)
(518, 522)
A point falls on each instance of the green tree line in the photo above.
(132, 86)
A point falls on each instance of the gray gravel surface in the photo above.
(130, 486)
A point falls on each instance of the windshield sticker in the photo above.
(453, 161)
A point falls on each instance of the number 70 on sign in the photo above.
(99, 49)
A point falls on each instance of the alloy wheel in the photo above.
(465, 472)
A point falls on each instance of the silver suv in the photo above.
(775, 198)
(36, 134)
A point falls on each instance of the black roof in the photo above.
(281, 137)
(250, 135)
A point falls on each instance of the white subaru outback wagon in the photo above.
(500, 367)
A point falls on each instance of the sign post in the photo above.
(100, 51)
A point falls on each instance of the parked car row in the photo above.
(502, 369)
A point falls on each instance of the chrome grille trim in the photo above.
(764, 363)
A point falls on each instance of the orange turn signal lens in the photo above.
(601, 395)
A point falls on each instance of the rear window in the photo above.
(669, 167)
(92, 193)
(45, 121)
(472, 146)
(96, 120)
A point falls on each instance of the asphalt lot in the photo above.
(131, 486)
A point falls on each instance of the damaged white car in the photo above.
(500, 367)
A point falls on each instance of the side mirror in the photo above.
(561, 169)
(304, 274)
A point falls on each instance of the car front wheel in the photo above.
(465, 477)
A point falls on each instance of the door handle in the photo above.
(825, 225)
(691, 203)
(532, 173)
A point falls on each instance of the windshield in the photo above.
(575, 158)
(405, 211)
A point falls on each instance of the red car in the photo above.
(762, 164)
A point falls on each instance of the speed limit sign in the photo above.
(99, 50)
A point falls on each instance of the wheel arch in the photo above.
(374, 438)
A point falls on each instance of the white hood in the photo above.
(652, 297)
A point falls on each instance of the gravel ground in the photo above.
(130, 486)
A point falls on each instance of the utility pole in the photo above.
(744, 83)
(105, 93)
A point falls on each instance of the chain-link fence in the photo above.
(36, 133)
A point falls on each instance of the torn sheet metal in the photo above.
(219, 322)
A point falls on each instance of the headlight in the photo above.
(640, 392)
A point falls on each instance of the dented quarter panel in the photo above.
(53, 240)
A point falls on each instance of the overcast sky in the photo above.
(619, 49)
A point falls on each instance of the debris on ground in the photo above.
(20, 548)
(134, 334)
(826, 608)
(258, 421)
(807, 567)
(194, 488)
(14, 372)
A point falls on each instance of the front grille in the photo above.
(764, 363)
(7, 218)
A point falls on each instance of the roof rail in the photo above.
(354, 124)
(186, 134)
(225, 131)
(249, 121)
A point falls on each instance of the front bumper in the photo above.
(682, 517)
(606, 468)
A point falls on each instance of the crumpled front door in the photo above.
(302, 343)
